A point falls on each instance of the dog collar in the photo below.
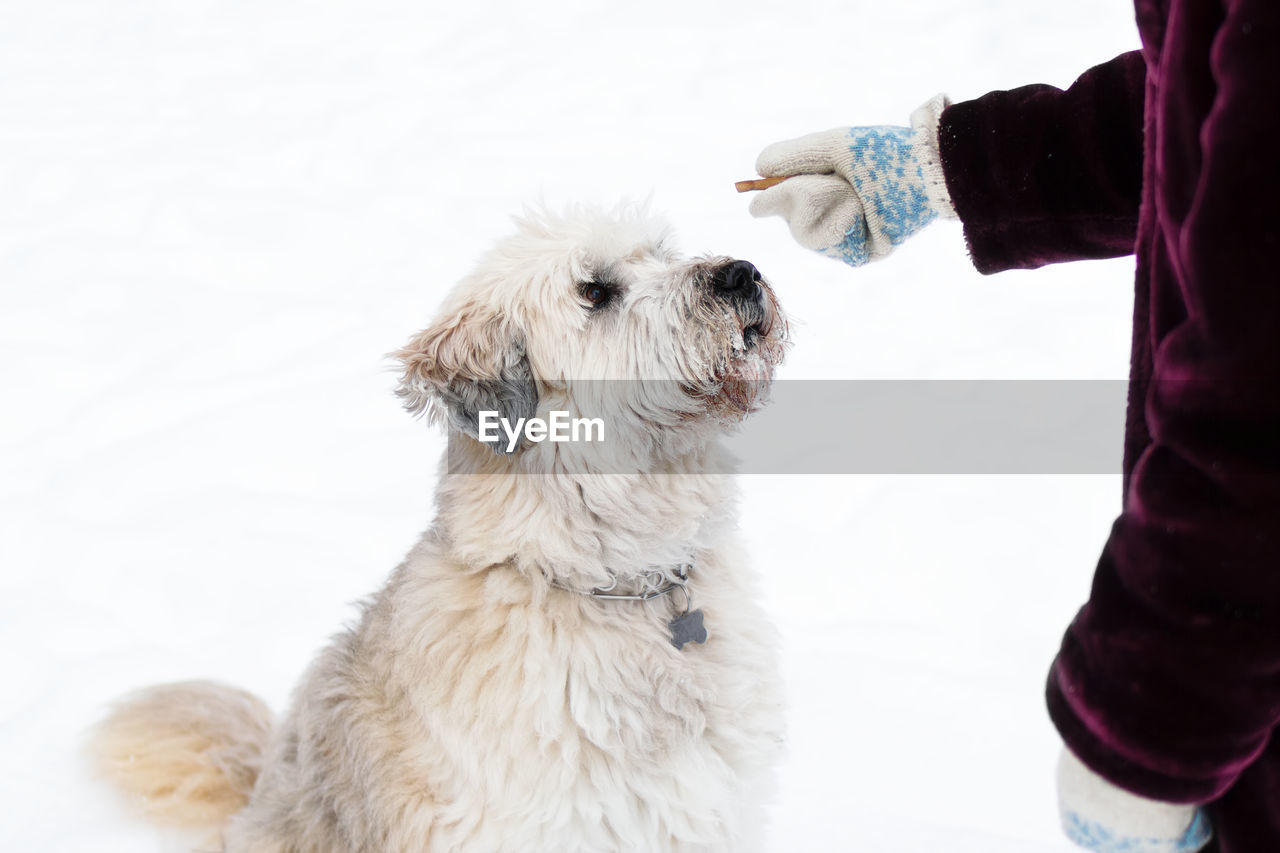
(685, 628)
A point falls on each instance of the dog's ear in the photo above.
(467, 363)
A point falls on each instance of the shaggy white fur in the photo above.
(486, 701)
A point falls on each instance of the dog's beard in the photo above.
(750, 341)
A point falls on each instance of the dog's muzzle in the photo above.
(738, 281)
(740, 285)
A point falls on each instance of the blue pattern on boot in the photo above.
(1094, 836)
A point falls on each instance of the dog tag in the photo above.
(687, 628)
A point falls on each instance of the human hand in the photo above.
(858, 192)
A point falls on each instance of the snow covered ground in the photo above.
(215, 219)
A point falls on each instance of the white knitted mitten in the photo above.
(858, 191)
(1099, 816)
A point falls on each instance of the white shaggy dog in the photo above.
(498, 694)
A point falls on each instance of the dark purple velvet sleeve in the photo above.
(1169, 679)
(1040, 175)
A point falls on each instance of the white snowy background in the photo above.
(217, 217)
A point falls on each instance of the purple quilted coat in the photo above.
(1168, 682)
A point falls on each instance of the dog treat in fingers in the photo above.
(758, 184)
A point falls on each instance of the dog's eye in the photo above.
(596, 293)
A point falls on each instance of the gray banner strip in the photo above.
(936, 427)
(892, 427)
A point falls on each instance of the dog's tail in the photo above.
(186, 754)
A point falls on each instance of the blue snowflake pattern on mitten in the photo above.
(853, 249)
(892, 190)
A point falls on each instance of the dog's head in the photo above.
(595, 314)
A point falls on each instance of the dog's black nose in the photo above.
(738, 279)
